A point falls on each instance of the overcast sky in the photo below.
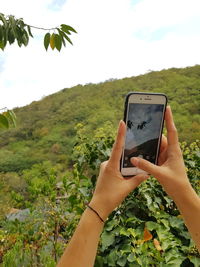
(116, 39)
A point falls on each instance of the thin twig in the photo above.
(40, 28)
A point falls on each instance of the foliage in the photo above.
(7, 119)
(40, 173)
(13, 29)
(55, 205)
(147, 229)
(51, 121)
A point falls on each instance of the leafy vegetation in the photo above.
(13, 29)
(46, 129)
(7, 119)
(49, 165)
(146, 230)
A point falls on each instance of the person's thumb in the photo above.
(133, 182)
(146, 166)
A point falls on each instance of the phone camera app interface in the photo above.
(143, 129)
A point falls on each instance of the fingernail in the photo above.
(135, 161)
(120, 122)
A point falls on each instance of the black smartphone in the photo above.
(144, 117)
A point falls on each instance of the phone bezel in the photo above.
(147, 98)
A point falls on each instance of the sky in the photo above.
(116, 39)
(139, 113)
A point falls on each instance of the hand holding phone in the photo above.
(144, 116)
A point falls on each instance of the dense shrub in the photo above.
(146, 230)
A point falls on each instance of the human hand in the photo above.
(112, 188)
(171, 172)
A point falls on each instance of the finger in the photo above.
(163, 144)
(137, 180)
(172, 135)
(146, 166)
(118, 145)
(133, 182)
(162, 152)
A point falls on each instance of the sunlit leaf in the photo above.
(157, 244)
(52, 41)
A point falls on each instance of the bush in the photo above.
(146, 230)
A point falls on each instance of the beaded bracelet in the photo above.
(95, 212)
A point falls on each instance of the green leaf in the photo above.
(47, 40)
(132, 232)
(1, 32)
(10, 115)
(4, 122)
(11, 36)
(98, 261)
(176, 223)
(66, 37)
(124, 231)
(131, 257)
(25, 38)
(67, 28)
(21, 23)
(19, 34)
(5, 36)
(152, 226)
(3, 19)
(29, 30)
(110, 225)
(1, 45)
(122, 261)
(107, 239)
(83, 191)
(11, 112)
(58, 42)
(62, 38)
(12, 21)
(195, 261)
(112, 257)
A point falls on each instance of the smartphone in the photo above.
(144, 117)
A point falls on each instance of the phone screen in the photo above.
(143, 131)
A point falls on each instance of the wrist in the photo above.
(185, 196)
(99, 207)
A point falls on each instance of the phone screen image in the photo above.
(143, 132)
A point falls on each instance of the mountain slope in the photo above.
(46, 128)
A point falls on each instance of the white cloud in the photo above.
(108, 44)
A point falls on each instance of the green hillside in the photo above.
(50, 162)
(46, 128)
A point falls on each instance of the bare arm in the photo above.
(111, 189)
(81, 250)
(172, 176)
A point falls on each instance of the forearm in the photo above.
(188, 202)
(81, 250)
